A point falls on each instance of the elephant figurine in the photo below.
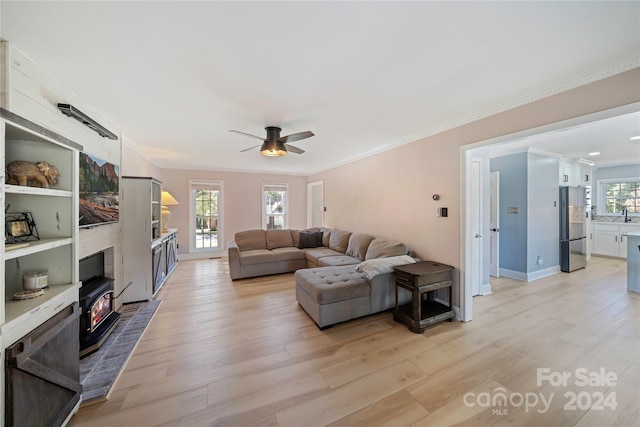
(21, 173)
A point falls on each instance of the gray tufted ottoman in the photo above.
(335, 294)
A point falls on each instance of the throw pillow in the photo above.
(358, 244)
(380, 248)
(338, 240)
(308, 239)
(326, 233)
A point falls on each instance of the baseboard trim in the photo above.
(512, 274)
(550, 271)
(530, 277)
(485, 289)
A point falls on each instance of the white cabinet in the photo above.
(148, 255)
(575, 172)
(611, 239)
(140, 208)
(585, 172)
(568, 172)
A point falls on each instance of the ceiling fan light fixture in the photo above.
(273, 149)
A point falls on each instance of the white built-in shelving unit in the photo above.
(54, 212)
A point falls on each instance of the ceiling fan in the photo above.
(275, 145)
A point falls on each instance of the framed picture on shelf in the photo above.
(19, 227)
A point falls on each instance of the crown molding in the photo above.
(591, 75)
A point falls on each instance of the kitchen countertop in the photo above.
(615, 223)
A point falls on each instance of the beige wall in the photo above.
(390, 194)
(242, 199)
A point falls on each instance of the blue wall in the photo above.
(513, 193)
(544, 216)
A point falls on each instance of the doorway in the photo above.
(315, 204)
(482, 150)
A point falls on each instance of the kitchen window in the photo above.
(620, 195)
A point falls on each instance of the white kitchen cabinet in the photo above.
(611, 239)
(569, 173)
(585, 174)
(575, 172)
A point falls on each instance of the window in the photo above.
(621, 195)
(206, 200)
(275, 206)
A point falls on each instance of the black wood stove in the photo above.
(98, 317)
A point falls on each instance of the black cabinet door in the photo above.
(43, 373)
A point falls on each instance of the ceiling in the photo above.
(609, 137)
(363, 76)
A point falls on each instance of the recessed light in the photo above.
(595, 153)
(635, 138)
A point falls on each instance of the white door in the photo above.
(315, 204)
(494, 224)
(476, 228)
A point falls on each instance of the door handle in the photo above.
(477, 235)
(494, 229)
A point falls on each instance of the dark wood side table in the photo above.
(423, 278)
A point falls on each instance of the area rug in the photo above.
(99, 370)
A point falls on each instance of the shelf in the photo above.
(432, 313)
(37, 191)
(35, 247)
(21, 317)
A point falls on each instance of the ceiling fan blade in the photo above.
(248, 134)
(293, 149)
(296, 136)
(250, 148)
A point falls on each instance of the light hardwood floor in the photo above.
(223, 353)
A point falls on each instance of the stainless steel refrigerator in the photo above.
(573, 232)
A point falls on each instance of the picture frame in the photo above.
(20, 227)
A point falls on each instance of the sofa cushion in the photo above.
(326, 233)
(251, 239)
(313, 255)
(310, 239)
(295, 235)
(287, 254)
(379, 248)
(358, 245)
(256, 256)
(335, 261)
(338, 240)
(327, 285)
(279, 239)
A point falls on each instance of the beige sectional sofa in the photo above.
(339, 275)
